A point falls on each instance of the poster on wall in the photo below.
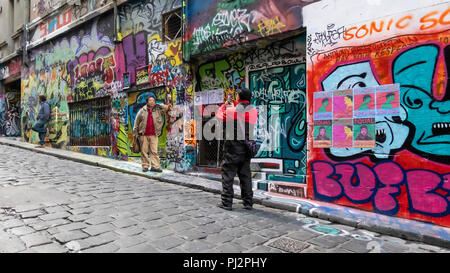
(353, 114)
(343, 133)
(364, 102)
(388, 100)
(343, 104)
(322, 134)
(364, 133)
(142, 75)
(208, 97)
(323, 105)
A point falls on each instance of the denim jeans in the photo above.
(42, 138)
(39, 127)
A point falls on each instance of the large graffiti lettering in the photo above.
(102, 66)
(380, 185)
(407, 172)
(213, 24)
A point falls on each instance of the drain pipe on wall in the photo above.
(24, 42)
(115, 22)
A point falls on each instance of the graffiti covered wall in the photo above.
(77, 67)
(85, 65)
(143, 48)
(280, 86)
(213, 24)
(407, 173)
(276, 75)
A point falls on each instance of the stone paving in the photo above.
(53, 205)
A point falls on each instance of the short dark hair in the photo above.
(362, 127)
(42, 98)
(390, 94)
(367, 96)
(325, 100)
(244, 93)
(150, 97)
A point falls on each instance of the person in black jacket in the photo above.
(42, 118)
(239, 119)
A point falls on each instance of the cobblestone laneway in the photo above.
(53, 205)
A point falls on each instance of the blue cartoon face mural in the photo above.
(391, 133)
(427, 117)
(424, 121)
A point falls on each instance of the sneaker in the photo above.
(156, 170)
(145, 170)
(222, 206)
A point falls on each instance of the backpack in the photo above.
(252, 145)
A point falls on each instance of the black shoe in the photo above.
(248, 207)
(222, 206)
(145, 170)
(156, 170)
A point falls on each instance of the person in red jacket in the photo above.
(239, 119)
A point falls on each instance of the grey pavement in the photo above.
(48, 204)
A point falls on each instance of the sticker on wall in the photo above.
(364, 102)
(323, 105)
(364, 136)
(322, 133)
(126, 80)
(388, 100)
(343, 104)
(343, 133)
(142, 75)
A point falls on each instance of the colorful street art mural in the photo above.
(214, 24)
(166, 77)
(10, 114)
(407, 173)
(280, 86)
(230, 72)
(85, 66)
(77, 67)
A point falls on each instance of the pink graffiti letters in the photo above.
(103, 66)
(428, 192)
(422, 188)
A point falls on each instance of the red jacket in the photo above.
(225, 113)
(242, 111)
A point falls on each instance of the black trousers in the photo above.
(239, 164)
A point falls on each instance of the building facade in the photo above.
(12, 20)
(97, 61)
